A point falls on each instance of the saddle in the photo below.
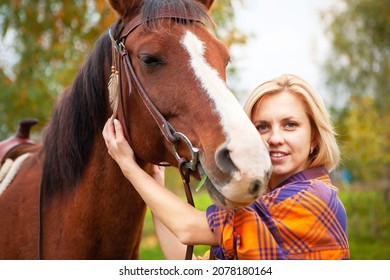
(22, 137)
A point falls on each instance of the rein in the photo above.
(122, 59)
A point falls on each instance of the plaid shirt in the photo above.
(302, 218)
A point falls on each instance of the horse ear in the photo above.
(126, 8)
(207, 3)
(117, 6)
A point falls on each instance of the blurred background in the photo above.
(342, 48)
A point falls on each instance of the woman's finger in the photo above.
(118, 130)
(117, 146)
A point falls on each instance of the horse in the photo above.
(69, 199)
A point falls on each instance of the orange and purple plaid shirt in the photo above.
(303, 218)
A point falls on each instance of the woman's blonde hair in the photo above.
(326, 152)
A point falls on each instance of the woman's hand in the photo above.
(117, 145)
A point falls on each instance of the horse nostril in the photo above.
(255, 187)
(224, 161)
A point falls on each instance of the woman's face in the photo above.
(284, 125)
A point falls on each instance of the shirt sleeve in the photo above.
(242, 234)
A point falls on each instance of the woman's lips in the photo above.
(277, 156)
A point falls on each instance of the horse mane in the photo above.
(82, 109)
(77, 119)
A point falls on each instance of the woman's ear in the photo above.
(313, 143)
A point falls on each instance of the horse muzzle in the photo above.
(236, 181)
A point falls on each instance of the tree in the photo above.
(49, 39)
(43, 42)
(360, 60)
(358, 71)
(366, 139)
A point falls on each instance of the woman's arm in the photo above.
(188, 224)
(170, 245)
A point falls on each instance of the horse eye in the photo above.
(150, 60)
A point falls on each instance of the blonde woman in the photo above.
(300, 217)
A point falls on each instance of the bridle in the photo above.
(123, 62)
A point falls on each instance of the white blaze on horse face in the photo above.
(246, 149)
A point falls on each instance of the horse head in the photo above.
(181, 66)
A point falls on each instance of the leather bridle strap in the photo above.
(185, 176)
(162, 123)
(165, 13)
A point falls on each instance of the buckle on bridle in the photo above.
(192, 164)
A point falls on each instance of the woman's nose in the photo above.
(275, 137)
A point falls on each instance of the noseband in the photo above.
(170, 134)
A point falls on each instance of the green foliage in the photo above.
(223, 15)
(368, 222)
(49, 40)
(366, 140)
(358, 71)
(360, 59)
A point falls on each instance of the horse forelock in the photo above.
(153, 12)
(77, 120)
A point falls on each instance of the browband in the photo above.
(167, 13)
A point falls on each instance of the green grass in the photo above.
(368, 223)
(149, 249)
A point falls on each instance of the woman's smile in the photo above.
(277, 156)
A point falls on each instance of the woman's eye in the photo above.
(149, 60)
(291, 125)
(261, 127)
